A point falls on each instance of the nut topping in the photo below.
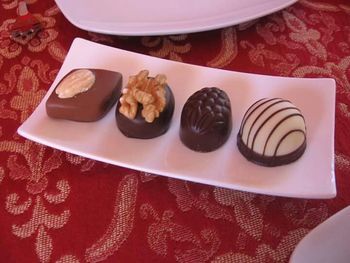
(78, 81)
(149, 92)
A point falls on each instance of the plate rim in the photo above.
(325, 224)
(152, 30)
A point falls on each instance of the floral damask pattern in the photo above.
(265, 253)
(2, 174)
(167, 47)
(25, 77)
(229, 49)
(164, 230)
(12, 4)
(307, 37)
(59, 207)
(34, 173)
(339, 72)
(121, 224)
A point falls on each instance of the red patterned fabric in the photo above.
(57, 207)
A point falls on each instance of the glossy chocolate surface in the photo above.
(91, 105)
(139, 128)
(269, 161)
(272, 133)
(206, 120)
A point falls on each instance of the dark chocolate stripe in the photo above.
(269, 161)
(278, 124)
(285, 136)
(249, 115)
(258, 117)
(244, 120)
(276, 112)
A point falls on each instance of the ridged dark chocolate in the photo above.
(206, 120)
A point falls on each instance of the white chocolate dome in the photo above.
(271, 128)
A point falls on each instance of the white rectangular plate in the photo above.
(312, 176)
(156, 17)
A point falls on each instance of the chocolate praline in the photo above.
(206, 120)
(90, 105)
(139, 128)
(272, 133)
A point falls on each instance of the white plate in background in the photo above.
(159, 17)
(328, 242)
(312, 176)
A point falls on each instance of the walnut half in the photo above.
(144, 90)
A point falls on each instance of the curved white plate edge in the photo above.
(333, 86)
(328, 221)
(233, 22)
(79, 41)
(237, 187)
(334, 94)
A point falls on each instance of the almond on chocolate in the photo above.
(84, 95)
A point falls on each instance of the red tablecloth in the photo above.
(57, 207)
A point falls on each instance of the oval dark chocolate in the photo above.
(206, 120)
(139, 128)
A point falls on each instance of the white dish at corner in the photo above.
(167, 156)
(159, 17)
(328, 242)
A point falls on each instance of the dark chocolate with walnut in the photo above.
(206, 120)
(84, 95)
(146, 106)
